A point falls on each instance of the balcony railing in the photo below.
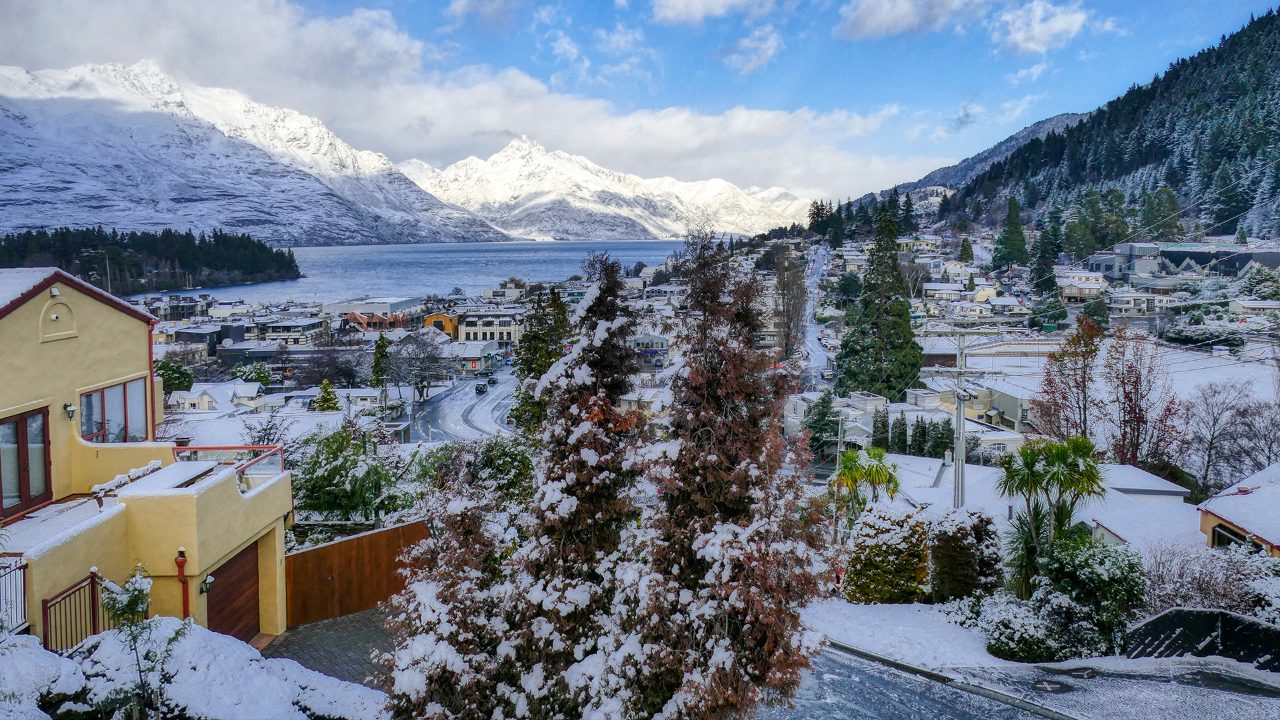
(254, 464)
(74, 614)
(13, 594)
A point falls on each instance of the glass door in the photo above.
(24, 462)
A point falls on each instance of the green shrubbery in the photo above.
(888, 558)
(964, 556)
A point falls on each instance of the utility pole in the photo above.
(960, 372)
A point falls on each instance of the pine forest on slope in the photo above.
(1208, 128)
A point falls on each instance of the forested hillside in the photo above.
(132, 262)
(1208, 128)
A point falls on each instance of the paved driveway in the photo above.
(342, 647)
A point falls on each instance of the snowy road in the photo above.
(460, 414)
(840, 687)
(818, 355)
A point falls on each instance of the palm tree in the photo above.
(856, 471)
(1051, 478)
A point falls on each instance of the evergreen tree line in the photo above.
(129, 262)
(922, 438)
(1208, 129)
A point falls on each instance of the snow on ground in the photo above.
(212, 676)
(1114, 688)
(917, 634)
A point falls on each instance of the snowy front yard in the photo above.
(200, 674)
(916, 634)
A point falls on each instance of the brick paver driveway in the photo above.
(341, 647)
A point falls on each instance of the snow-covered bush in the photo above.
(1083, 600)
(888, 556)
(1016, 631)
(1101, 586)
(1238, 579)
(964, 555)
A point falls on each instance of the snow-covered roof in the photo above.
(1140, 524)
(1253, 504)
(14, 282)
(1136, 481)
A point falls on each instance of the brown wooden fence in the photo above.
(348, 575)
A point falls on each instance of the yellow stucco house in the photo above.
(1245, 513)
(87, 493)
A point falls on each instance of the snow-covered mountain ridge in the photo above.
(528, 190)
(133, 148)
(130, 147)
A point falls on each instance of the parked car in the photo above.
(828, 374)
(481, 388)
(484, 373)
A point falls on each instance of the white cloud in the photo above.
(365, 78)
(1028, 74)
(620, 40)
(1015, 110)
(493, 12)
(1040, 26)
(880, 18)
(754, 51)
(695, 11)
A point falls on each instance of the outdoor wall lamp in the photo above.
(205, 584)
(70, 410)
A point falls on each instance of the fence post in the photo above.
(44, 622)
(94, 608)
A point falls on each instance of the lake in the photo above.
(341, 272)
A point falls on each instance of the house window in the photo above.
(115, 414)
(24, 462)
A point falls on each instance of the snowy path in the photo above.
(817, 354)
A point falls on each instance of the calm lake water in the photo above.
(337, 273)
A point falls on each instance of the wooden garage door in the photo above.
(233, 596)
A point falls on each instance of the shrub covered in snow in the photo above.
(1084, 599)
(1238, 579)
(1102, 586)
(888, 556)
(964, 555)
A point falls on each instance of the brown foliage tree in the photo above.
(1066, 399)
(1140, 403)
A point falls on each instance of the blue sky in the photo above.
(832, 98)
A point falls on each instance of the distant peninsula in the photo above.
(133, 262)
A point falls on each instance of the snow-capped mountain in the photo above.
(131, 148)
(528, 190)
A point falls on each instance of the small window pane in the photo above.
(36, 480)
(9, 480)
(136, 392)
(90, 413)
(115, 413)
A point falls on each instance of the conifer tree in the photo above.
(327, 400)
(565, 586)
(919, 437)
(543, 342)
(880, 429)
(907, 223)
(381, 361)
(879, 353)
(898, 441)
(1011, 246)
(966, 249)
(941, 438)
(732, 551)
(822, 423)
(1042, 274)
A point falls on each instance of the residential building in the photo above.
(483, 323)
(86, 486)
(445, 322)
(295, 331)
(224, 397)
(1247, 512)
(379, 313)
(1127, 303)
(1253, 307)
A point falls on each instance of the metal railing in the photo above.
(74, 614)
(13, 594)
(248, 460)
